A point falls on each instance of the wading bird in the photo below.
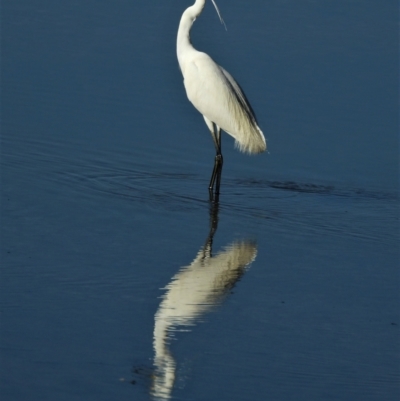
(216, 95)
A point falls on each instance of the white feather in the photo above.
(214, 92)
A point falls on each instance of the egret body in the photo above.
(216, 95)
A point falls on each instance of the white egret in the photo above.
(216, 95)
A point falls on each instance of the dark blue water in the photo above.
(119, 280)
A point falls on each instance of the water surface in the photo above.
(121, 280)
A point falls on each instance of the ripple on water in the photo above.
(312, 207)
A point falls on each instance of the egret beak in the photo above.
(219, 14)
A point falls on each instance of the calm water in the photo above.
(121, 281)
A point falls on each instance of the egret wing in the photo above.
(240, 95)
(216, 95)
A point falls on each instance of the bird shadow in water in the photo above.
(215, 182)
(193, 291)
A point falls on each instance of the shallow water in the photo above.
(121, 280)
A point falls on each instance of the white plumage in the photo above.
(214, 92)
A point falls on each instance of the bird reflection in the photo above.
(194, 290)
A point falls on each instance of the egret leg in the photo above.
(216, 174)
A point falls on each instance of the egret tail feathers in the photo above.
(252, 142)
